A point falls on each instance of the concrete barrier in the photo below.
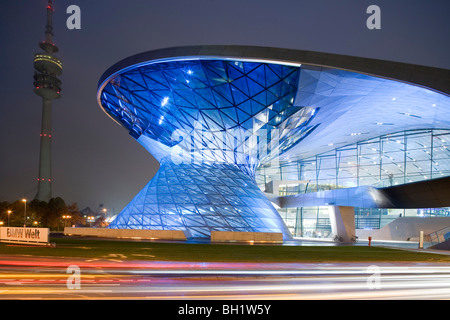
(252, 237)
(127, 233)
(406, 228)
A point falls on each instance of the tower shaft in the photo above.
(44, 192)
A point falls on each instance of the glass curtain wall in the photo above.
(388, 160)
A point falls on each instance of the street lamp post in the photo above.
(9, 217)
(65, 219)
(25, 213)
(91, 219)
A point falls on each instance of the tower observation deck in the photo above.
(47, 85)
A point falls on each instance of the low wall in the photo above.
(406, 228)
(231, 236)
(127, 233)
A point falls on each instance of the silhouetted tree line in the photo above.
(41, 214)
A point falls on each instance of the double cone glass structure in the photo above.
(216, 116)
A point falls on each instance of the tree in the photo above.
(75, 214)
(38, 212)
(17, 215)
(56, 210)
(41, 214)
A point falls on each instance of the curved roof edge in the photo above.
(432, 78)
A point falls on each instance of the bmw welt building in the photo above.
(270, 140)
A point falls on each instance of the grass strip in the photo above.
(157, 251)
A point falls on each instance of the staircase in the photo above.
(440, 239)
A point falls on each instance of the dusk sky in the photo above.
(95, 161)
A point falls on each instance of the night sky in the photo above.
(95, 161)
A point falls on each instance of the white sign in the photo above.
(24, 234)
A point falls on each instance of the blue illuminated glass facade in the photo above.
(222, 128)
(200, 198)
(202, 120)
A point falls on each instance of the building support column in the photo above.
(342, 220)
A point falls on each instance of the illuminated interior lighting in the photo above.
(164, 101)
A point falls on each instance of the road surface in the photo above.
(55, 278)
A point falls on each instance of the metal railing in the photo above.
(439, 236)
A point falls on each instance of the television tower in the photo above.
(47, 85)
